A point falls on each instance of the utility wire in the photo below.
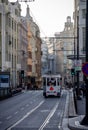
(37, 23)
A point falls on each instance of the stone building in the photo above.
(44, 58)
(9, 39)
(23, 52)
(64, 47)
(35, 44)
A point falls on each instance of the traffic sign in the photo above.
(85, 69)
(77, 65)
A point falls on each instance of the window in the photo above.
(83, 33)
(29, 68)
(9, 22)
(58, 81)
(4, 80)
(51, 81)
(83, 13)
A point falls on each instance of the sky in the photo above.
(49, 15)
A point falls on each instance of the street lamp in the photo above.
(78, 97)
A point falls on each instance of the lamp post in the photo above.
(85, 119)
(78, 97)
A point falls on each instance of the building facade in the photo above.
(64, 47)
(79, 22)
(79, 30)
(35, 44)
(9, 17)
(44, 58)
(23, 52)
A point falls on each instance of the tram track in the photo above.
(41, 116)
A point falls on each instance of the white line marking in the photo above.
(59, 126)
(16, 112)
(45, 110)
(26, 115)
(8, 117)
(49, 116)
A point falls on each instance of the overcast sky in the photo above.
(50, 15)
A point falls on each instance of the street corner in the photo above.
(74, 123)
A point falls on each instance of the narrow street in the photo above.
(30, 110)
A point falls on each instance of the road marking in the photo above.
(26, 115)
(8, 117)
(59, 126)
(45, 110)
(49, 116)
(60, 122)
(16, 112)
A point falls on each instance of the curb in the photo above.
(69, 110)
(65, 119)
(74, 123)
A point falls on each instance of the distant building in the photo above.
(44, 58)
(51, 55)
(35, 44)
(64, 47)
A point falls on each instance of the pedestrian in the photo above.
(28, 85)
(25, 86)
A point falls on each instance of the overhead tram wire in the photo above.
(37, 22)
(33, 15)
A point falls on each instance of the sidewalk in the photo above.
(81, 106)
(69, 110)
(74, 123)
(72, 119)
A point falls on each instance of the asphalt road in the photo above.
(31, 111)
